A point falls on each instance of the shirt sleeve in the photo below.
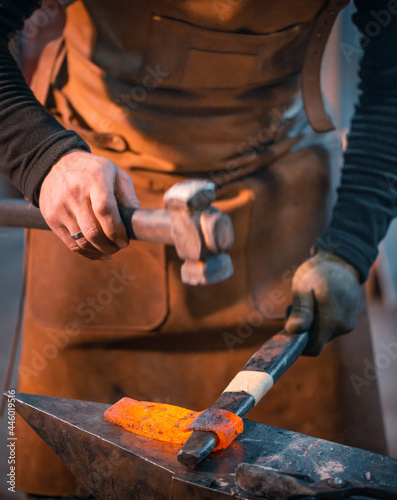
(367, 196)
(31, 140)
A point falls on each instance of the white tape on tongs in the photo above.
(255, 383)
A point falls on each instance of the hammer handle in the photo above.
(144, 225)
(247, 388)
(261, 372)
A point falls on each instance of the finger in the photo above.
(338, 318)
(327, 325)
(109, 223)
(80, 246)
(93, 233)
(301, 317)
(124, 190)
(323, 331)
(64, 225)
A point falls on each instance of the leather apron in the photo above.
(170, 90)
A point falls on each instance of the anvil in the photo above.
(115, 464)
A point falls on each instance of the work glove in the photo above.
(325, 291)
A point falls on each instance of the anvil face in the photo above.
(115, 464)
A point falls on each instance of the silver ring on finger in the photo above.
(77, 236)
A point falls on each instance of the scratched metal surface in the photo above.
(116, 464)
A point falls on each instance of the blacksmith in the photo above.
(138, 95)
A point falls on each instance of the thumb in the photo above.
(302, 314)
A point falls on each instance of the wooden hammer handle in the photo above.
(267, 365)
(261, 372)
(145, 225)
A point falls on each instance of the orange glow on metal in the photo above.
(173, 424)
(155, 420)
(226, 425)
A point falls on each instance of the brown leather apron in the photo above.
(185, 89)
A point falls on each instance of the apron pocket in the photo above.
(195, 58)
(127, 293)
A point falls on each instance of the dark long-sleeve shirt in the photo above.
(32, 140)
(367, 196)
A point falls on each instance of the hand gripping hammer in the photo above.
(200, 233)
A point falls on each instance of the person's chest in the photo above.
(129, 22)
(111, 33)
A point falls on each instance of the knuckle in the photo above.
(112, 236)
(103, 208)
(76, 249)
(105, 162)
(87, 251)
(123, 175)
(74, 191)
(113, 232)
(86, 246)
(90, 234)
(129, 181)
(55, 224)
(55, 216)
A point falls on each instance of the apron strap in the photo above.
(47, 68)
(311, 73)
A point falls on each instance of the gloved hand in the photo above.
(325, 291)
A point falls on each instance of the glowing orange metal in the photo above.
(155, 420)
(226, 425)
(173, 424)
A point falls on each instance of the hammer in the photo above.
(200, 233)
(215, 428)
(245, 391)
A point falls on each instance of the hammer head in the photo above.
(194, 194)
(201, 233)
(213, 269)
